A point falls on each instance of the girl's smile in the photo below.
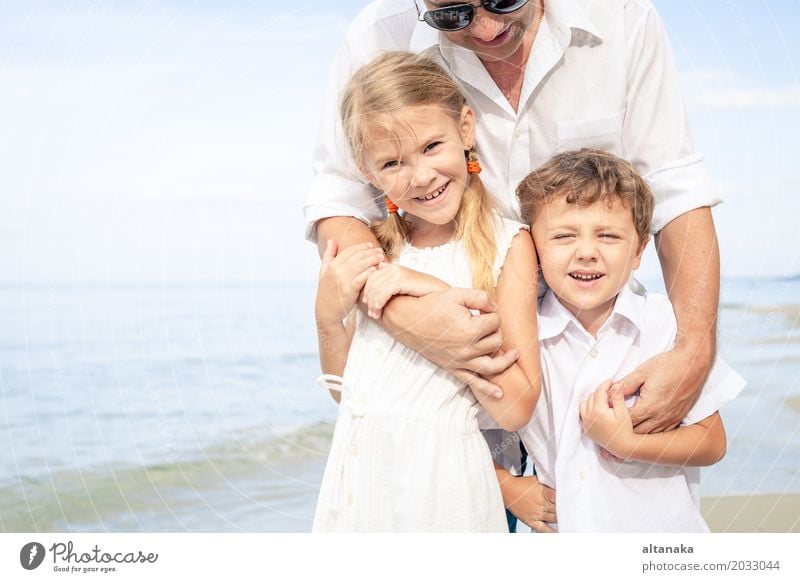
(434, 197)
(416, 156)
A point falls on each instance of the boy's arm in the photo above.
(695, 445)
(516, 297)
(439, 326)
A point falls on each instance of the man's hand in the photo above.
(441, 327)
(669, 384)
(533, 503)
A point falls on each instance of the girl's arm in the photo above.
(517, 292)
(334, 341)
(694, 445)
(390, 280)
(341, 278)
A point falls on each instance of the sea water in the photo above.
(195, 407)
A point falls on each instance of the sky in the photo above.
(171, 141)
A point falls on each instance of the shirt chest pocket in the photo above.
(604, 133)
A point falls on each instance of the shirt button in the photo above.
(517, 134)
(593, 353)
(354, 450)
(583, 475)
(349, 499)
(379, 352)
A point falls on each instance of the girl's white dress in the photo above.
(407, 454)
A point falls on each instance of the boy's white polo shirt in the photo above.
(593, 494)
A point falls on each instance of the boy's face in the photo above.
(587, 254)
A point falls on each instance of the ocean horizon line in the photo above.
(257, 282)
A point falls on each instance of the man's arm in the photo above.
(345, 231)
(670, 383)
(657, 140)
(439, 326)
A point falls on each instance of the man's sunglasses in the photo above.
(459, 16)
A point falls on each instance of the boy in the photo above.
(590, 215)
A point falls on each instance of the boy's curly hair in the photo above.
(584, 177)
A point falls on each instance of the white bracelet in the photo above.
(331, 382)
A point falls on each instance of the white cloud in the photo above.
(754, 98)
(725, 89)
(705, 76)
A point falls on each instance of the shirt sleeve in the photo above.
(656, 134)
(722, 386)
(337, 187)
(723, 383)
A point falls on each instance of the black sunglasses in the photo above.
(459, 16)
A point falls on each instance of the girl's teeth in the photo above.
(434, 195)
(585, 277)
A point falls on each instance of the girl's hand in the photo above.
(390, 280)
(608, 424)
(341, 278)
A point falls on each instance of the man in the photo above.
(543, 76)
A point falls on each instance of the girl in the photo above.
(407, 454)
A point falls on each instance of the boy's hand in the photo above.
(341, 278)
(610, 427)
(533, 503)
(390, 280)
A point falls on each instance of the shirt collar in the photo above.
(566, 16)
(423, 37)
(554, 318)
(563, 18)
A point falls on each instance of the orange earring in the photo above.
(473, 166)
(391, 207)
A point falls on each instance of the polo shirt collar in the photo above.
(554, 318)
(630, 305)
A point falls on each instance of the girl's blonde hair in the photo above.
(394, 81)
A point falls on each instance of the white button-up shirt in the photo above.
(600, 74)
(593, 494)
